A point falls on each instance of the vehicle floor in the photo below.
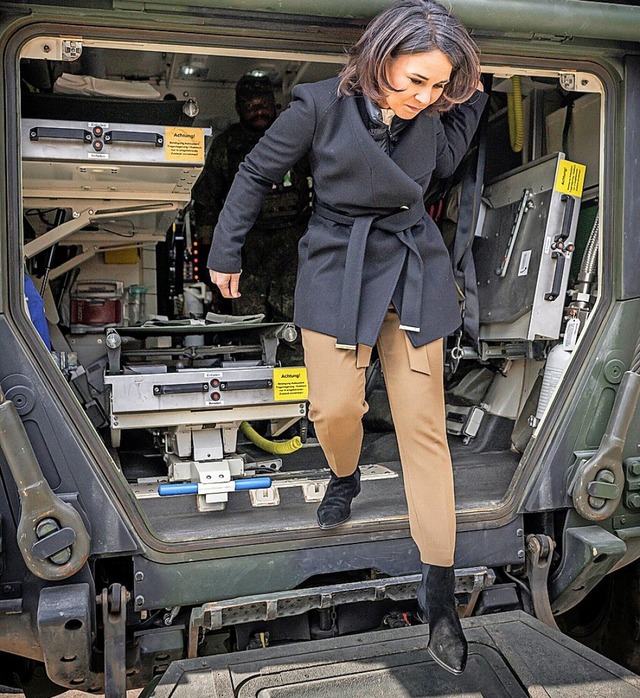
(382, 501)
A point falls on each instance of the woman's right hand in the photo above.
(227, 283)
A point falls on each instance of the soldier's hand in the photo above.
(227, 283)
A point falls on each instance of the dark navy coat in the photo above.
(369, 242)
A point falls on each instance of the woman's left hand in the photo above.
(227, 283)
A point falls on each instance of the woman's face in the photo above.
(419, 79)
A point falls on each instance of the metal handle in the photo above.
(74, 134)
(249, 483)
(255, 384)
(134, 137)
(556, 286)
(565, 230)
(180, 388)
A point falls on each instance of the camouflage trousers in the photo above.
(268, 281)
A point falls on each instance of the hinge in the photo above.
(114, 619)
(53, 48)
(538, 563)
(579, 82)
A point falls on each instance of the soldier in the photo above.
(270, 252)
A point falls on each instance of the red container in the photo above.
(96, 311)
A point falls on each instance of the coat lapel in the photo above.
(388, 171)
(415, 152)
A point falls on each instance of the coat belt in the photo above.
(400, 224)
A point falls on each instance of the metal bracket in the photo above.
(525, 205)
(313, 484)
(538, 562)
(114, 616)
(65, 629)
(588, 554)
(83, 218)
(579, 82)
(53, 48)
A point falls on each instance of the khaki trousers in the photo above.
(414, 380)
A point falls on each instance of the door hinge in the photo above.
(579, 82)
(53, 48)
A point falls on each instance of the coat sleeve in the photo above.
(287, 141)
(454, 132)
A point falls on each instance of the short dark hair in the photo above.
(406, 27)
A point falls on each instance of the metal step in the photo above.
(265, 607)
(511, 655)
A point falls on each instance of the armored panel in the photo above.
(96, 158)
(522, 254)
(126, 181)
(191, 389)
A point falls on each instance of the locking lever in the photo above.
(52, 536)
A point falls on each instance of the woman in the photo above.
(373, 268)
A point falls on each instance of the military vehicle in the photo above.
(143, 525)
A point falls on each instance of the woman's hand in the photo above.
(227, 283)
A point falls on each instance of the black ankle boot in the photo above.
(437, 601)
(335, 507)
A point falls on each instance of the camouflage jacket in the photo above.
(286, 205)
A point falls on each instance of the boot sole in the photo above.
(439, 661)
(333, 525)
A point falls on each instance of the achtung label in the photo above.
(184, 144)
(290, 384)
(570, 178)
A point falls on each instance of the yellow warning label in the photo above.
(570, 178)
(290, 384)
(184, 144)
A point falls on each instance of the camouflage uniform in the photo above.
(270, 252)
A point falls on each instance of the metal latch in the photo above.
(596, 484)
(53, 539)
